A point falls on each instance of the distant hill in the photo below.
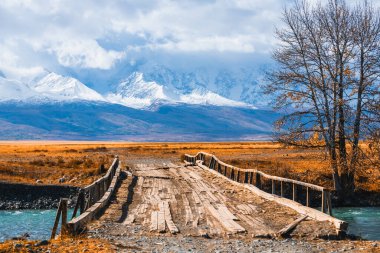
(90, 120)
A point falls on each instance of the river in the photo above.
(364, 221)
(37, 223)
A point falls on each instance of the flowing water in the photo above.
(37, 223)
(363, 221)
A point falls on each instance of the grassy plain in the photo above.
(79, 162)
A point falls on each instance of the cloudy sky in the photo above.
(83, 36)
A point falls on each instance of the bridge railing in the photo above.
(91, 200)
(272, 184)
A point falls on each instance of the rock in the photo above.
(17, 246)
(42, 243)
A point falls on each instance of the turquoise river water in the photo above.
(37, 223)
(364, 221)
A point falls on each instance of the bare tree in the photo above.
(328, 73)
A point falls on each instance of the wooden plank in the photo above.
(168, 219)
(229, 225)
(130, 219)
(197, 200)
(291, 226)
(161, 218)
(154, 221)
(188, 213)
(223, 209)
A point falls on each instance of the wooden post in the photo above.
(307, 197)
(238, 176)
(294, 192)
(245, 177)
(232, 174)
(78, 205)
(225, 170)
(251, 178)
(82, 204)
(258, 180)
(64, 217)
(273, 187)
(323, 205)
(329, 206)
(219, 168)
(282, 188)
(57, 217)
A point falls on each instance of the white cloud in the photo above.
(71, 29)
(84, 54)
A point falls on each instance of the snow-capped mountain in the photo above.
(47, 88)
(136, 92)
(241, 84)
(57, 87)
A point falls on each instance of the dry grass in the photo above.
(48, 161)
(58, 245)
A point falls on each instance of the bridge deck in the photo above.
(189, 201)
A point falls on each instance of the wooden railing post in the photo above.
(237, 176)
(225, 170)
(294, 192)
(251, 178)
(273, 187)
(329, 206)
(246, 177)
(64, 217)
(282, 188)
(57, 217)
(307, 197)
(324, 202)
(62, 210)
(258, 180)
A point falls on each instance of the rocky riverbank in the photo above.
(27, 196)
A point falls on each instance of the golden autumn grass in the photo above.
(79, 161)
(58, 245)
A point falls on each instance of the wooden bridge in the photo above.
(202, 197)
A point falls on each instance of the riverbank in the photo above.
(16, 196)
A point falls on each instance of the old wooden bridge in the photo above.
(201, 197)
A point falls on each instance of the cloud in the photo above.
(70, 31)
(84, 54)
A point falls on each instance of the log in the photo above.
(286, 230)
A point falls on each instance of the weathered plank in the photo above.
(154, 221)
(168, 218)
(291, 226)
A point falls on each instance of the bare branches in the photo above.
(329, 73)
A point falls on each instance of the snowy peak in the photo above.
(209, 98)
(135, 92)
(57, 87)
(135, 86)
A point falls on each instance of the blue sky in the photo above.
(82, 37)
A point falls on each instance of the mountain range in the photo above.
(151, 106)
